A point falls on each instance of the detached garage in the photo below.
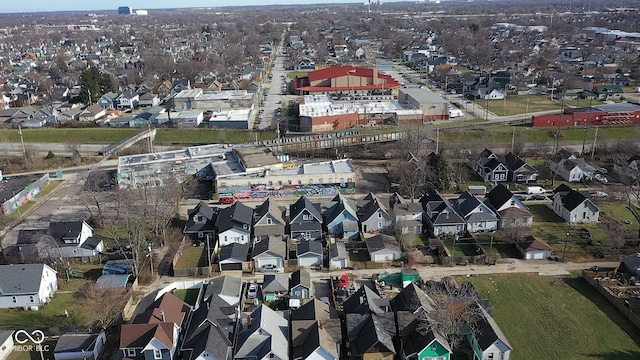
(534, 248)
(79, 346)
(383, 248)
(232, 257)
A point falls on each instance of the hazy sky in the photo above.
(69, 5)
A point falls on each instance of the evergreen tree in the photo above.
(440, 167)
(90, 86)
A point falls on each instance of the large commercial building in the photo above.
(230, 109)
(601, 115)
(346, 79)
(432, 106)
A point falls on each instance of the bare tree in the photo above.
(103, 306)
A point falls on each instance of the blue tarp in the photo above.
(118, 267)
(105, 282)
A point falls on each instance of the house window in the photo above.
(31, 298)
(225, 238)
(379, 215)
(584, 215)
(269, 222)
(490, 357)
(200, 218)
(306, 217)
(157, 354)
(131, 352)
(15, 300)
(379, 224)
(280, 182)
(299, 182)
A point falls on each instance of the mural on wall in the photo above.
(261, 191)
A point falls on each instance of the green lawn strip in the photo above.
(190, 296)
(556, 318)
(51, 314)
(192, 256)
(514, 105)
(618, 211)
(293, 74)
(64, 135)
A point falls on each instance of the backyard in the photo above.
(190, 296)
(521, 104)
(557, 318)
(191, 257)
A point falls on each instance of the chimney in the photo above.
(162, 315)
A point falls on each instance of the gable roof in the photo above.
(267, 333)
(382, 242)
(208, 212)
(498, 196)
(238, 216)
(139, 335)
(489, 331)
(371, 333)
(268, 207)
(311, 246)
(364, 300)
(20, 279)
(313, 309)
(275, 283)
(234, 251)
(371, 207)
(300, 277)
(167, 308)
(572, 199)
(269, 246)
(412, 298)
(60, 230)
(533, 243)
(300, 205)
(466, 203)
(342, 205)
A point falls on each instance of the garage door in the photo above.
(230, 266)
(538, 255)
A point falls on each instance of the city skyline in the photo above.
(93, 5)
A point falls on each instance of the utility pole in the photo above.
(564, 250)
(513, 138)
(24, 149)
(584, 140)
(595, 137)
(151, 259)
(437, 140)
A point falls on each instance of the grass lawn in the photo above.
(52, 314)
(80, 136)
(190, 296)
(464, 247)
(557, 318)
(192, 256)
(514, 105)
(293, 74)
(618, 211)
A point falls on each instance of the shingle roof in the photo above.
(238, 216)
(20, 279)
(382, 242)
(300, 277)
(300, 205)
(275, 282)
(370, 208)
(76, 342)
(373, 332)
(412, 298)
(268, 333)
(65, 229)
(311, 246)
(269, 246)
(268, 207)
(234, 251)
(498, 196)
(572, 199)
(532, 243)
(489, 331)
(167, 308)
(139, 335)
(362, 301)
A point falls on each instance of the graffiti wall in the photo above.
(262, 191)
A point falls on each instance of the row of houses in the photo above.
(369, 326)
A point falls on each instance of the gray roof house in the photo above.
(233, 257)
(373, 216)
(573, 206)
(210, 329)
(338, 256)
(233, 224)
(309, 253)
(268, 220)
(569, 167)
(315, 332)
(264, 336)
(275, 286)
(440, 216)
(27, 286)
(407, 215)
(365, 301)
(513, 213)
(300, 284)
(305, 220)
(72, 346)
(201, 220)
(489, 342)
(479, 216)
(371, 334)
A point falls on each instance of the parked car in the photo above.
(600, 194)
(252, 293)
(601, 178)
(267, 267)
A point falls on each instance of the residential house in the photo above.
(27, 286)
(209, 333)
(75, 239)
(533, 247)
(364, 301)
(128, 99)
(370, 336)
(412, 299)
(519, 170)
(407, 215)
(275, 286)
(489, 342)
(513, 213)
(342, 218)
(440, 216)
(373, 216)
(201, 220)
(489, 167)
(264, 336)
(338, 256)
(155, 333)
(78, 346)
(630, 265)
(573, 206)
(269, 254)
(6, 343)
(268, 221)
(309, 253)
(69, 115)
(149, 99)
(305, 220)
(233, 224)
(300, 284)
(48, 115)
(383, 247)
(628, 169)
(315, 332)
(418, 341)
(92, 113)
(607, 92)
(570, 168)
(108, 101)
(233, 257)
(478, 216)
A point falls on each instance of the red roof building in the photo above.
(346, 79)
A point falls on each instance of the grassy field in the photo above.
(52, 314)
(557, 318)
(584, 102)
(192, 256)
(515, 105)
(620, 212)
(190, 296)
(293, 74)
(78, 136)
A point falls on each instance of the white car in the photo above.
(601, 178)
(252, 293)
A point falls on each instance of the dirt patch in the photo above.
(371, 176)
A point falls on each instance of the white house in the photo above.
(6, 343)
(533, 247)
(383, 248)
(490, 342)
(573, 206)
(79, 346)
(27, 286)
